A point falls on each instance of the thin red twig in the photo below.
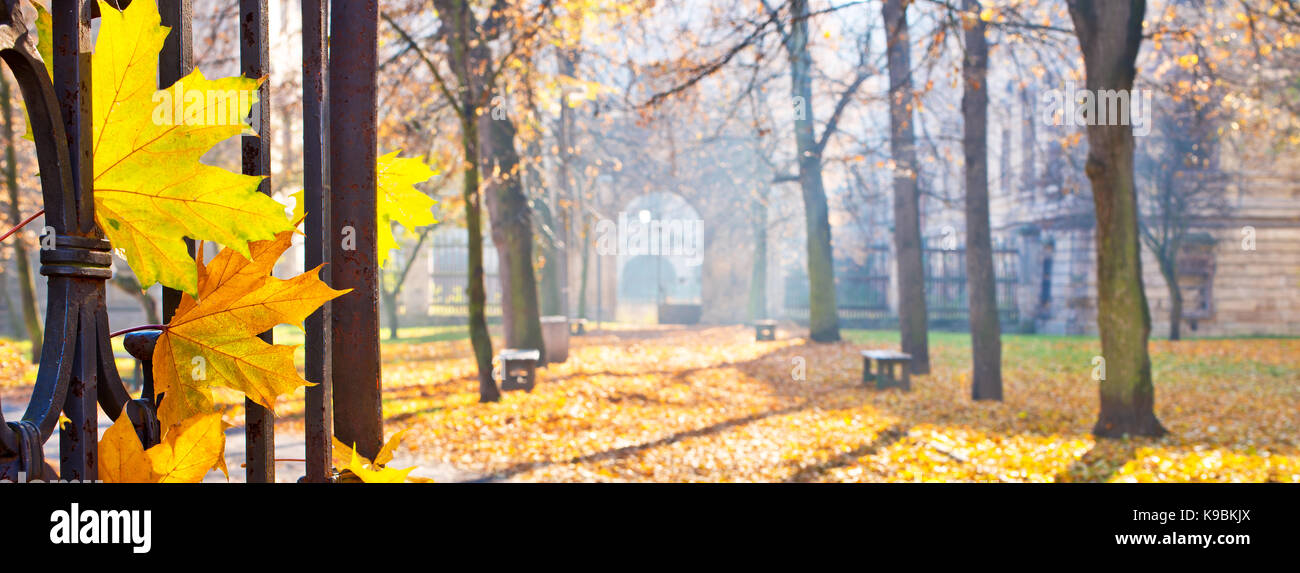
(22, 224)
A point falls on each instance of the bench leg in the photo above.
(907, 375)
(866, 371)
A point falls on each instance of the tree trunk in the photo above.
(1169, 270)
(568, 63)
(461, 38)
(549, 281)
(985, 330)
(585, 245)
(22, 261)
(512, 232)
(16, 326)
(823, 317)
(912, 320)
(478, 331)
(1110, 38)
(758, 280)
(129, 285)
(30, 308)
(390, 308)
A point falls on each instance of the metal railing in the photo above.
(77, 375)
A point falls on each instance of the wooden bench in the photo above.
(884, 372)
(764, 330)
(518, 369)
(577, 326)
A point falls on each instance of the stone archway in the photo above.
(659, 241)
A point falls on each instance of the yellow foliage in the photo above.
(151, 189)
(212, 340)
(376, 471)
(711, 405)
(185, 455)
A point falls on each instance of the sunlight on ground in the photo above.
(710, 404)
(713, 405)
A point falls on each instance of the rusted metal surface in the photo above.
(71, 378)
(319, 412)
(352, 230)
(254, 58)
(175, 61)
(77, 370)
(20, 440)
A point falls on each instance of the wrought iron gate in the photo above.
(946, 296)
(448, 294)
(77, 374)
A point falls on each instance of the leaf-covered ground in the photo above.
(14, 367)
(712, 405)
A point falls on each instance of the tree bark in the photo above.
(568, 63)
(461, 38)
(512, 232)
(823, 317)
(390, 308)
(585, 245)
(1169, 270)
(16, 326)
(758, 280)
(30, 307)
(479, 338)
(548, 242)
(985, 329)
(912, 320)
(129, 285)
(1110, 37)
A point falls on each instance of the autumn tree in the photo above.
(1110, 36)
(393, 279)
(912, 320)
(985, 330)
(492, 166)
(823, 319)
(22, 257)
(1179, 177)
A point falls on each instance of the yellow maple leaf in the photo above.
(185, 455)
(151, 190)
(398, 202)
(346, 458)
(121, 456)
(212, 340)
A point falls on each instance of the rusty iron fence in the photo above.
(946, 293)
(863, 287)
(77, 376)
(447, 299)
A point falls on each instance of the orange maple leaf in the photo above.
(212, 340)
(185, 455)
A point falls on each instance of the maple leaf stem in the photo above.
(22, 224)
(137, 329)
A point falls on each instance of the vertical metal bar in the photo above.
(79, 436)
(254, 59)
(78, 439)
(71, 22)
(319, 414)
(175, 62)
(358, 411)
